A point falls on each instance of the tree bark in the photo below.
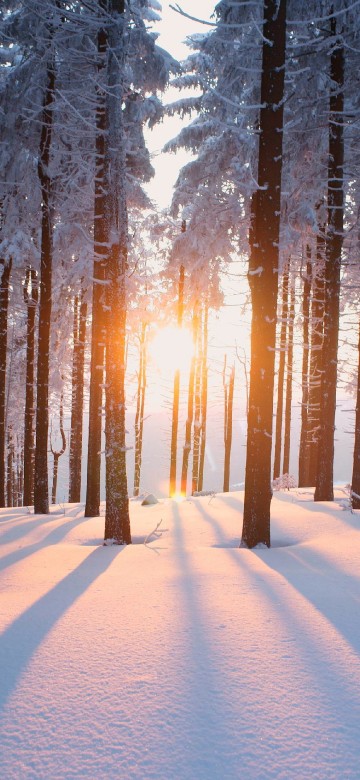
(92, 504)
(228, 424)
(355, 481)
(289, 377)
(4, 307)
(189, 418)
(140, 409)
(324, 490)
(176, 392)
(57, 453)
(197, 410)
(281, 371)
(304, 433)
(41, 487)
(316, 343)
(77, 398)
(263, 279)
(31, 294)
(204, 396)
(117, 518)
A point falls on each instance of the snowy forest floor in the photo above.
(182, 658)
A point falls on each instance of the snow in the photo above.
(185, 657)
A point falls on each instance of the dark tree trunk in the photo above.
(189, 418)
(176, 393)
(304, 433)
(4, 306)
(204, 397)
(316, 342)
(289, 376)
(140, 409)
(77, 398)
(92, 505)
(228, 424)
(355, 482)
(117, 518)
(324, 490)
(41, 487)
(263, 279)
(281, 372)
(31, 293)
(57, 453)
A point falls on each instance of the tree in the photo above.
(31, 300)
(355, 481)
(4, 306)
(281, 371)
(263, 279)
(77, 397)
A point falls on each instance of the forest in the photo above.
(268, 101)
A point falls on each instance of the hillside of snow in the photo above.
(181, 657)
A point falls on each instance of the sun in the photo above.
(171, 349)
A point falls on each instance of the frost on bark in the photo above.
(176, 391)
(117, 518)
(355, 482)
(289, 379)
(31, 294)
(263, 279)
(92, 504)
(77, 398)
(281, 372)
(4, 306)
(324, 490)
(303, 480)
(41, 488)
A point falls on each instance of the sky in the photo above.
(173, 29)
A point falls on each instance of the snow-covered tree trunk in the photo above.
(92, 504)
(190, 415)
(228, 425)
(4, 307)
(31, 300)
(204, 396)
(281, 371)
(304, 449)
(197, 410)
(140, 407)
(176, 391)
(316, 342)
(355, 482)
(77, 398)
(263, 278)
(324, 490)
(41, 488)
(289, 379)
(58, 453)
(117, 519)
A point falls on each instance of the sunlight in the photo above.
(171, 349)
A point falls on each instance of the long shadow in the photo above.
(328, 508)
(55, 536)
(223, 541)
(20, 640)
(204, 699)
(32, 522)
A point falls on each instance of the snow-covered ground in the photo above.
(184, 658)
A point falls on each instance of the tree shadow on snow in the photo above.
(21, 639)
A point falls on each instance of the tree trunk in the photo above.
(176, 393)
(317, 335)
(10, 469)
(324, 490)
(92, 505)
(355, 482)
(4, 306)
(228, 424)
(281, 372)
(204, 397)
(140, 409)
(289, 376)
(197, 410)
(117, 518)
(57, 453)
(31, 294)
(189, 418)
(304, 434)
(77, 399)
(41, 487)
(263, 279)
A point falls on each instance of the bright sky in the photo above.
(173, 30)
